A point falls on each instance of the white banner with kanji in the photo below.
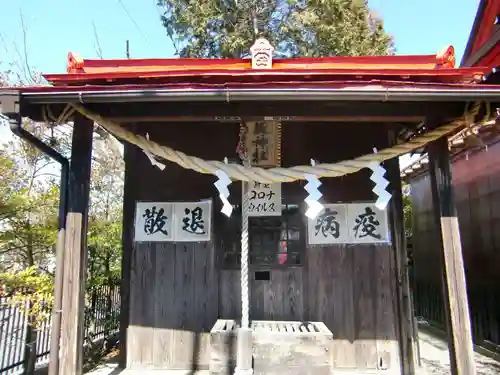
(173, 222)
(353, 223)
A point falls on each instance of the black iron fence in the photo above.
(484, 307)
(101, 321)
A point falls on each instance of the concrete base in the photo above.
(244, 352)
(114, 370)
(433, 350)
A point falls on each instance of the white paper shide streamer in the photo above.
(314, 207)
(221, 184)
(152, 159)
(380, 185)
(312, 200)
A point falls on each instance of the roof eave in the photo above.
(245, 74)
(75, 64)
(475, 28)
(383, 94)
(460, 143)
(482, 51)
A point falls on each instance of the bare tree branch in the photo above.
(98, 45)
(25, 47)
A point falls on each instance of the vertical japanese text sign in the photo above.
(153, 221)
(263, 142)
(264, 199)
(192, 221)
(329, 227)
(367, 224)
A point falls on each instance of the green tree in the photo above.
(10, 183)
(407, 215)
(29, 201)
(214, 28)
(31, 292)
(105, 214)
(28, 210)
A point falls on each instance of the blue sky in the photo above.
(55, 27)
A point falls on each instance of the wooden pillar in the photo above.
(454, 283)
(129, 197)
(75, 258)
(404, 308)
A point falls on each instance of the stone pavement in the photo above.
(436, 360)
(433, 353)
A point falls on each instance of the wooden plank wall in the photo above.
(280, 298)
(177, 291)
(361, 312)
(174, 287)
(349, 288)
(426, 270)
(174, 304)
(476, 182)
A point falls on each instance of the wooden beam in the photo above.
(454, 282)
(404, 306)
(409, 110)
(236, 119)
(130, 153)
(75, 258)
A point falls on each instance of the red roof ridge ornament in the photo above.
(74, 63)
(446, 58)
(262, 54)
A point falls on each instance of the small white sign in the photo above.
(153, 222)
(192, 221)
(262, 54)
(367, 224)
(264, 199)
(329, 227)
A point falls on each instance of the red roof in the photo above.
(481, 47)
(439, 69)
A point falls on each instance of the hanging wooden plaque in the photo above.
(263, 142)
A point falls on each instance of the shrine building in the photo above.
(263, 215)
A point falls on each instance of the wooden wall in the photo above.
(173, 304)
(178, 291)
(346, 287)
(476, 182)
